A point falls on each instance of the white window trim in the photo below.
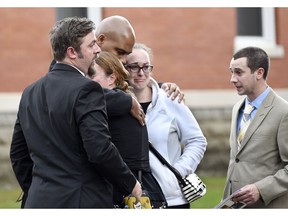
(267, 41)
(95, 14)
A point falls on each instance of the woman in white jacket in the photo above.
(172, 128)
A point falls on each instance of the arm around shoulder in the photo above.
(117, 102)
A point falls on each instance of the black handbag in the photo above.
(192, 186)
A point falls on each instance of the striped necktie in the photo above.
(244, 123)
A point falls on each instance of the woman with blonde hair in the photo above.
(173, 129)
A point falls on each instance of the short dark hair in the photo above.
(256, 58)
(69, 32)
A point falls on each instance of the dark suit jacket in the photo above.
(62, 143)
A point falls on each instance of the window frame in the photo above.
(268, 39)
(95, 14)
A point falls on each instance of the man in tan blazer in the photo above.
(260, 167)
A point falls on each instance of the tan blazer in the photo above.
(263, 157)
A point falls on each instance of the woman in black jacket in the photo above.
(128, 135)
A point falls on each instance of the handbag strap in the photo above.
(164, 161)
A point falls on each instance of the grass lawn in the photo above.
(215, 186)
(8, 198)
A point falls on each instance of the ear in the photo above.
(112, 79)
(259, 73)
(71, 53)
(100, 40)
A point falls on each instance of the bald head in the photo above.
(115, 34)
(115, 25)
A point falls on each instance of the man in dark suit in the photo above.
(61, 150)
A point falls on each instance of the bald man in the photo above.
(115, 34)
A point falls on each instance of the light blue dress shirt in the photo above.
(256, 103)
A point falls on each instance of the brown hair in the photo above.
(256, 58)
(69, 32)
(112, 65)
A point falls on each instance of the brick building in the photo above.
(192, 47)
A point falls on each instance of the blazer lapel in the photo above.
(264, 109)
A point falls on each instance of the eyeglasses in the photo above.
(134, 68)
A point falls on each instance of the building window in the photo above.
(62, 13)
(256, 27)
(252, 17)
(92, 13)
(95, 14)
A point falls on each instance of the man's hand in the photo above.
(173, 90)
(137, 191)
(137, 111)
(248, 194)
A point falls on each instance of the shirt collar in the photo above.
(258, 101)
(83, 74)
(78, 70)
